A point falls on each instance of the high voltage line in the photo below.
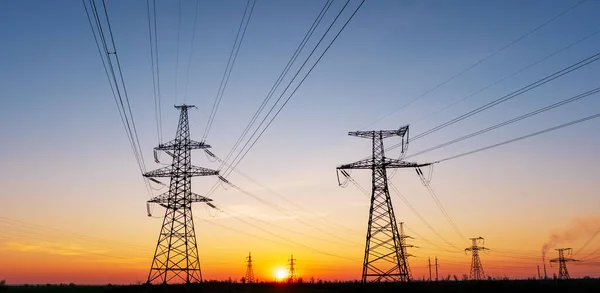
(573, 67)
(565, 48)
(189, 63)
(516, 93)
(153, 36)
(117, 85)
(230, 63)
(479, 62)
(271, 205)
(278, 81)
(508, 122)
(234, 162)
(521, 137)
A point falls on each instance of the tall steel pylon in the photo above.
(384, 259)
(563, 274)
(477, 272)
(249, 278)
(176, 256)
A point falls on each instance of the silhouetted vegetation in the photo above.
(579, 285)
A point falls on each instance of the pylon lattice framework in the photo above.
(384, 258)
(249, 271)
(477, 272)
(176, 256)
(563, 273)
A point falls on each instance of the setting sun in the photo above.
(281, 274)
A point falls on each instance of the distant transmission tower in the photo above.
(477, 272)
(292, 272)
(249, 271)
(563, 274)
(176, 256)
(403, 247)
(385, 259)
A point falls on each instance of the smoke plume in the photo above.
(576, 229)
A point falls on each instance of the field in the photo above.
(579, 285)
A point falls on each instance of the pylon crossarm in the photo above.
(169, 171)
(199, 198)
(174, 144)
(362, 164)
(382, 133)
(387, 162)
(394, 163)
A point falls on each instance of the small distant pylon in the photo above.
(563, 274)
(429, 265)
(292, 272)
(403, 247)
(249, 271)
(477, 272)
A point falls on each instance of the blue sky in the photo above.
(65, 149)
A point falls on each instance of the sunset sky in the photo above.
(73, 199)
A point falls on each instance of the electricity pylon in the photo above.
(563, 274)
(403, 247)
(477, 272)
(384, 259)
(292, 272)
(249, 271)
(176, 256)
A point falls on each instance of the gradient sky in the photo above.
(73, 200)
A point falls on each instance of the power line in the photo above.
(155, 71)
(516, 119)
(287, 214)
(479, 62)
(287, 240)
(239, 38)
(516, 93)
(508, 76)
(177, 52)
(279, 195)
(588, 242)
(307, 36)
(412, 208)
(117, 85)
(444, 212)
(189, 65)
(522, 137)
(234, 165)
(540, 82)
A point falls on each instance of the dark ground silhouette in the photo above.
(579, 285)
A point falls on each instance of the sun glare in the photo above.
(280, 274)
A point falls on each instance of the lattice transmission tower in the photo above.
(404, 246)
(563, 273)
(249, 271)
(292, 270)
(384, 259)
(176, 256)
(477, 272)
